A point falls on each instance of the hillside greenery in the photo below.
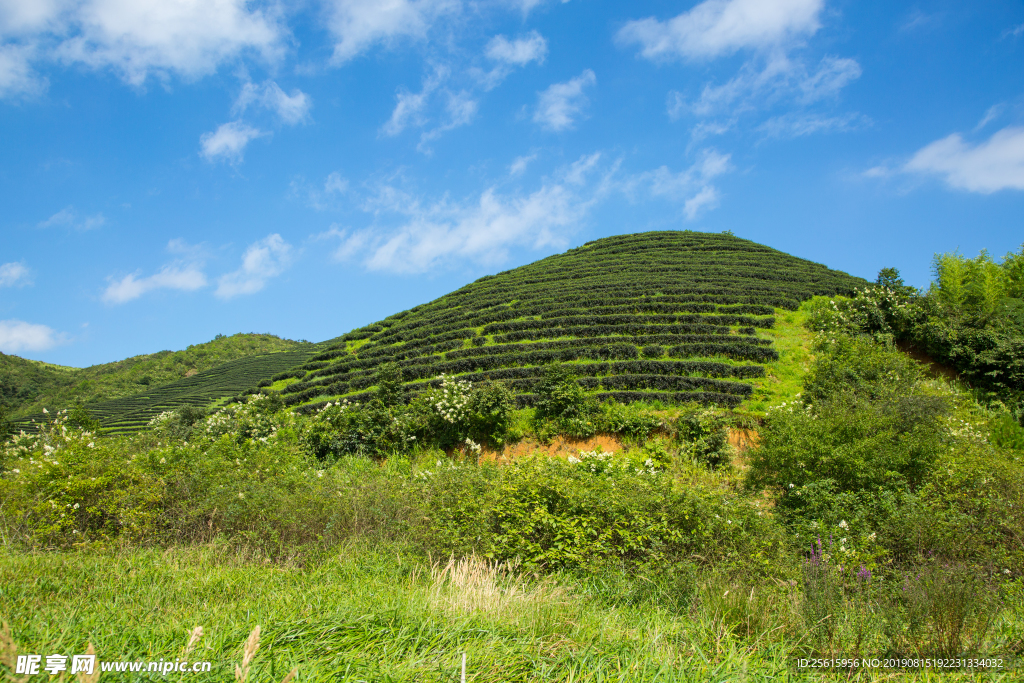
(668, 316)
(971, 319)
(125, 395)
(26, 386)
(878, 514)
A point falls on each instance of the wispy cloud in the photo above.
(320, 197)
(17, 77)
(559, 107)
(412, 234)
(721, 27)
(519, 164)
(693, 186)
(184, 274)
(511, 54)
(228, 142)
(15, 274)
(984, 167)
(261, 261)
(1015, 32)
(358, 25)
(410, 106)
(291, 109)
(17, 336)
(68, 217)
(799, 124)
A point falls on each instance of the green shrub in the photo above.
(653, 351)
(704, 435)
(862, 368)
(600, 506)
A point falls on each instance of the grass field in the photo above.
(371, 613)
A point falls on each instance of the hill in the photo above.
(26, 386)
(668, 316)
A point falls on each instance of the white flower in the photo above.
(844, 525)
(75, 506)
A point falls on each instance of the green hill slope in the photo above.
(26, 387)
(670, 316)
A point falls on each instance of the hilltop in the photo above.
(669, 316)
(26, 386)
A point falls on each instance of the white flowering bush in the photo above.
(254, 420)
(64, 486)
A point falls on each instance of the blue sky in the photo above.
(175, 169)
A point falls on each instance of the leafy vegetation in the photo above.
(26, 387)
(876, 512)
(675, 295)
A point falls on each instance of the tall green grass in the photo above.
(374, 613)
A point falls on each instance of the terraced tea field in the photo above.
(132, 413)
(669, 316)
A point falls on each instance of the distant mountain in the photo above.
(26, 386)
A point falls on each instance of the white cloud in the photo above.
(518, 52)
(1014, 32)
(721, 27)
(412, 235)
(17, 336)
(409, 108)
(794, 125)
(460, 110)
(14, 274)
(263, 260)
(994, 112)
(68, 217)
(323, 197)
(135, 38)
(228, 141)
(833, 74)
(189, 38)
(291, 109)
(987, 167)
(184, 274)
(780, 79)
(431, 235)
(519, 164)
(510, 54)
(16, 74)
(693, 186)
(186, 278)
(559, 106)
(357, 25)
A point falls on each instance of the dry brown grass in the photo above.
(473, 585)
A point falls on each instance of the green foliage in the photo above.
(79, 417)
(704, 434)
(389, 385)
(599, 506)
(860, 368)
(675, 294)
(562, 406)
(28, 386)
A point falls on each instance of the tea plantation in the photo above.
(132, 413)
(669, 316)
